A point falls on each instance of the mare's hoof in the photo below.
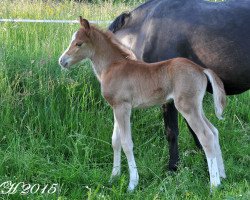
(172, 168)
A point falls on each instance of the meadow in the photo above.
(55, 128)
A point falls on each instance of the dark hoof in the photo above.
(172, 168)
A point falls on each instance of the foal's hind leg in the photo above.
(196, 140)
(216, 146)
(191, 111)
(170, 116)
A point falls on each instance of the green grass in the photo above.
(69, 10)
(56, 128)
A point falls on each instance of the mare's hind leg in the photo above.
(191, 111)
(217, 147)
(170, 116)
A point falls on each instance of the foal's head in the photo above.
(80, 46)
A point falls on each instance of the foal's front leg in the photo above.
(122, 117)
(116, 144)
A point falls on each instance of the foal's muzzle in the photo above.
(63, 61)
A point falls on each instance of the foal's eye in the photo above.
(78, 44)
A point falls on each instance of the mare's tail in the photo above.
(219, 94)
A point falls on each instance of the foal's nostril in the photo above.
(63, 62)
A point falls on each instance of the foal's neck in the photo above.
(105, 54)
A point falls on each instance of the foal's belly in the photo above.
(146, 104)
(149, 101)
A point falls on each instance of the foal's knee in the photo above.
(116, 143)
(127, 146)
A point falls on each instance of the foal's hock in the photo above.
(127, 83)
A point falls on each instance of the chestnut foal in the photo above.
(127, 83)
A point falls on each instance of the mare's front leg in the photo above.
(122, 116)
(170, 115)
(116, 144)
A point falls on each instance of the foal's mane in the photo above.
(110, 37)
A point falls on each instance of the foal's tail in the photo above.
(219, 94)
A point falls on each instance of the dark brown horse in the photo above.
(213, 35)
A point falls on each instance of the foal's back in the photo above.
(148, 84)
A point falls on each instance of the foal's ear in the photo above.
(84, 23)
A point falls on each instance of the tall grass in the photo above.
(56, 128)
(40, 9)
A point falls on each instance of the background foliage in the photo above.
(56, 128)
